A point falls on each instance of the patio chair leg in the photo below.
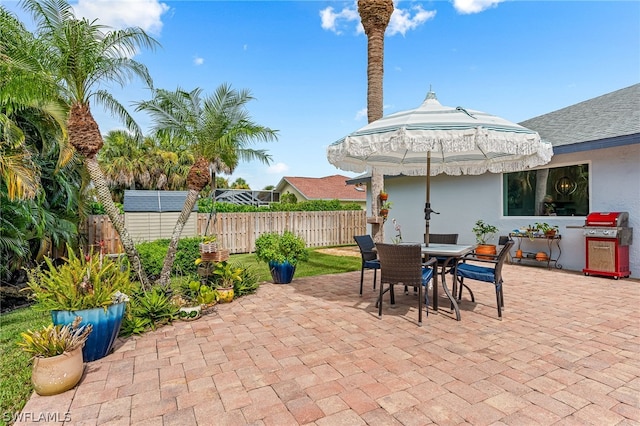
(361, 280)
(380, 301)
(420, 306)
(375, 273)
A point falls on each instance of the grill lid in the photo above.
(608, 219)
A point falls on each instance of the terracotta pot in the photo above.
(542, 256)
(485, 249)
(384, 212)
(57, 374)
(384, 197)
(551, 233)
(518, 253)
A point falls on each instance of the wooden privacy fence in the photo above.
(237, 232)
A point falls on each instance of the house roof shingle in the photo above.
(325, 188)
(613, 115)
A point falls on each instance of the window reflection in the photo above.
(558, 191)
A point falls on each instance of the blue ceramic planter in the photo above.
(282, 273)
(106, 326)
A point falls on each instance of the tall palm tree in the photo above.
(375, 16)
(83, 56)
(217, 129)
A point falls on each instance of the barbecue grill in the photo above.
(608, 238)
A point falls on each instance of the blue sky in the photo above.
(305, 62)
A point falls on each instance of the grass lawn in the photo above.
(15, 366)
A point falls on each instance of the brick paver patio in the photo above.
(313, 352)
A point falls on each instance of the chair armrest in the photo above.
(431, 262)
(473, 257)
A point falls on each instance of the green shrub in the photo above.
(272, 246)
(204, 206)
(152, 255)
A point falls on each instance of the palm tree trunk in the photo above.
(104, 195)
(197, 178)
(165, 275)
(375, 16)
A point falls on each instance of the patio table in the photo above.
(452, 253)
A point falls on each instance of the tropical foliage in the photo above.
(101, 55)
(81, 282)
(217, 129)
(55, 340)
(40, 180)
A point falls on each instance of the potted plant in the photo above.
(210, 251)
(548, 230)
(484, 233)
(383, 195)
(93, 287)
(384, 208)
(192, 295)
(57, 356)
(208, 244)
(282, 252)
(226, 276)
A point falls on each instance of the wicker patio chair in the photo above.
(402, 264)
(443, 239)
(369, 257)
(490, 274)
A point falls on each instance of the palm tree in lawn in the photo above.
(375, 16)
(83, 56)
(217, 130)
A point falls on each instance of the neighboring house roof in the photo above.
(606, 121)
(324, 188)
(155, 201)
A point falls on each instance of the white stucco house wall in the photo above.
(602, 132)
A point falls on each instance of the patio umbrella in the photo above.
(434, 139)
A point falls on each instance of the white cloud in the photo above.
(334, 21)
(198, 61)
(474, 6)
(277, 168)
(402, 20)
(361, 114)
(145, 14)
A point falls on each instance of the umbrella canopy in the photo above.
(434, 139)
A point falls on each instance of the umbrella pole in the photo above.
(427, 206)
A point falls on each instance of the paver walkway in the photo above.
(313, 352)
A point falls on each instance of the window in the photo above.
(558, 191)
